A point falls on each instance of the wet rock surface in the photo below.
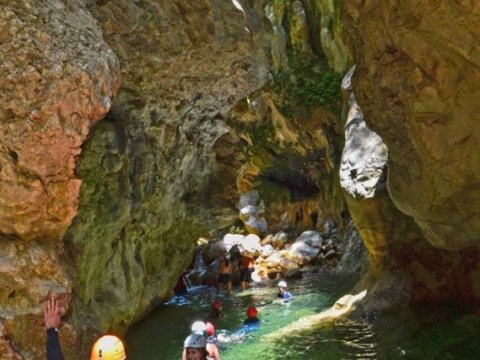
(416, 82)
(331, 250)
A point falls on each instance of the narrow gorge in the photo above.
(136, 133)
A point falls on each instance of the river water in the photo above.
(431, 332)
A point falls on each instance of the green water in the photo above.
(433, 332)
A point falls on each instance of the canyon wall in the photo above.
(201, 102)
(417, 207)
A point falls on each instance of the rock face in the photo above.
(365, 155)
(327, 29)
(205, 112)
(403, 266)
(159, 171)
(57, 78)
(416, 81)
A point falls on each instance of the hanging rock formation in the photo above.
(412, 83)
(416, 80)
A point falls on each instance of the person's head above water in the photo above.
(216, 305)
(195, 347)
(199, 327)
(210, 328)
(252, 312)
(282, 284)
(108, 347)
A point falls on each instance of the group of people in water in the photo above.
(225, 270)
(201, 344)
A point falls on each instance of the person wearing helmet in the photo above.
(210, 332)
(108, 347)
(206, 330)
(195, 347)
(199, 328)
(212, 347)
(282, 291)
(252, 318)
(225, 273)
(216, 310)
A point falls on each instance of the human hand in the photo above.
(51, 313)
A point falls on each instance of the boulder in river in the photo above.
(306, 248)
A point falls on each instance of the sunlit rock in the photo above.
(231, 240)
(251, 213)
(306, 247)
(250, 246)
(365, 156)
(417, 83)
(279, 240)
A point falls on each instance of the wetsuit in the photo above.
(249, 325)
(285, 296)
(251, 321)
(54, 351)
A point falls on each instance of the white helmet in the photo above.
(199, 327)
(282, 284)
(195, 341)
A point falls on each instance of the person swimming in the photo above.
(207, 330)
(216, 309)
(282, 291)
(212, 347)
(252, 318)
(195, 348)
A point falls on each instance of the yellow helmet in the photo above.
(108, 347)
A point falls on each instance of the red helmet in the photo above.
(210, 328)
(252, 312)
(216, 305)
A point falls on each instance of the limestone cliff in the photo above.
(214, 101)
(206, 100)
(414, 81)
(58, 78)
